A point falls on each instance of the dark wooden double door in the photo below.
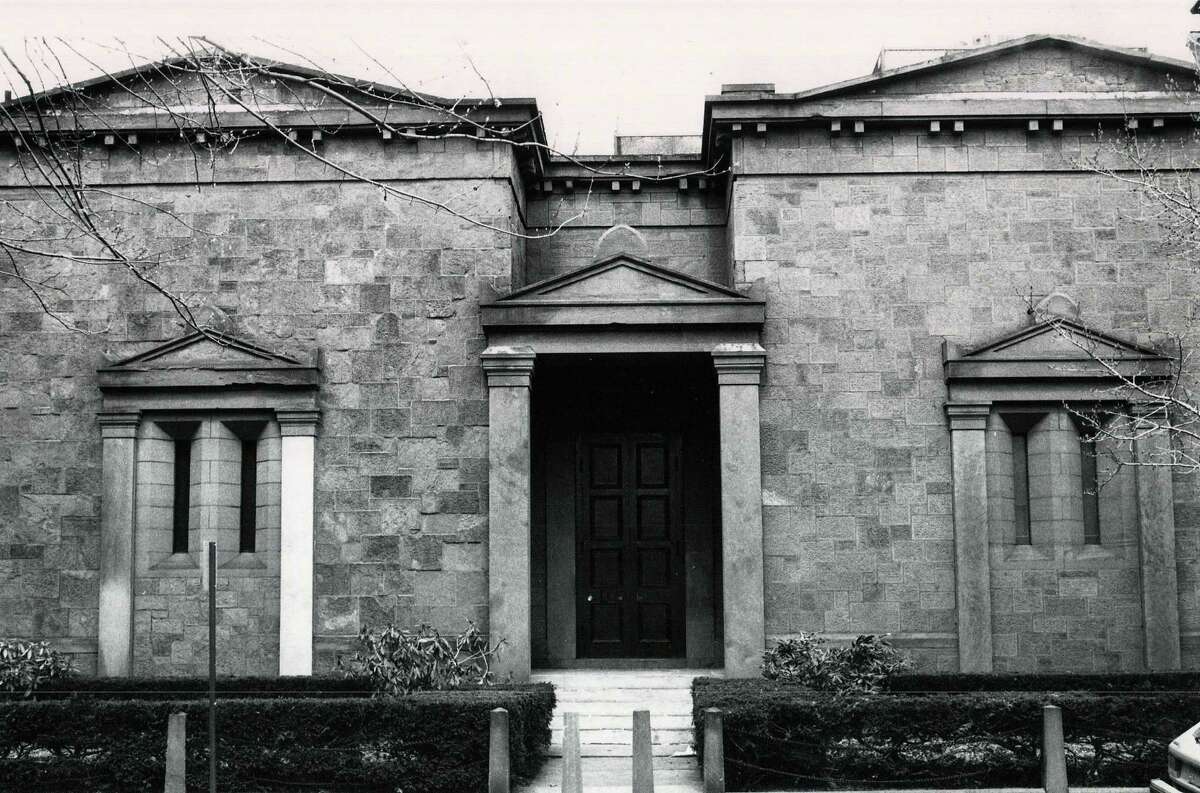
(629, 546)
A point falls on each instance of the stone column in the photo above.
(509, 373)
(118, 432)
(1156, 537)
(739, 372)
(298, 429)
(972, 569)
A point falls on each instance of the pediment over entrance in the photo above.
(1057, 349)
(623, 289)
(205, 360)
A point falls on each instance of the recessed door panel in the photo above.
(630, 571)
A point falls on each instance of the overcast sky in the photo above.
(596, 68)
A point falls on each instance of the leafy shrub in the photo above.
(430, 742)
(167, 688)
(780, 736)
(810, 661)
(399, 661)
(26, 666)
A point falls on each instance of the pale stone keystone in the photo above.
(935, 127)
(1033, 125)
(760, 128)
(683, 185)
(317, 137)
(572, 776)
(1131, 123)
(735, 127)
(1158, 123)
(548, 186)
(835, 127)
(201, 138)
(959, 126)
(176, 777)
(291, 135)
(131, 140)
(498, 752)
(110, 140)
(714, 751)
(569, 185)
(860, 127)
(701, 183)
(643, 758)
(616, 186)
(386, 135)
(1054, 758)
(1056, 125)
(636, 185)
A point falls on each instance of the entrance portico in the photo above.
(619, 309)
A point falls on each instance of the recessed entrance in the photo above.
(625, 509)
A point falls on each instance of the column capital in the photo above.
(119, 424)
(508, 366)
(739, 364)
(968, 416)
(298, 422)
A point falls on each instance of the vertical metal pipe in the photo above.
(498, 752)
(714, 751)
(212, 667)
(643, 758)
(1054, 758)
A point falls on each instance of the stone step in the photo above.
(609, 708)
(612, 774)
(622, 750)
(623, 720)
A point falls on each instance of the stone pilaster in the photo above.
(1156, 537)
(115, 625)
(972, 570)
(739, 373)
(509, 373)
(298, 429)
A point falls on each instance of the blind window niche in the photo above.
(249, 434)
(182, 434)
(1088, 419)
(1019, 426)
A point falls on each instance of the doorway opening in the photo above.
(625, 511)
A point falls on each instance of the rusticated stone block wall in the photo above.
(299, 259)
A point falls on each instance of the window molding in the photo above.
(229, 391)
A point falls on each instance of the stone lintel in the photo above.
(298, 422)
(1148, 409)
(119, 424)
(967, 417)
(739, 364)
(508, 366)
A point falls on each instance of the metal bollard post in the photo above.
(572, 777)
(714, 751)
(498, 752)
(643, 760)
(176, 777)
(1054, 758)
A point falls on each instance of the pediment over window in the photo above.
(1058, 352)
(623, 289)
(207, 360)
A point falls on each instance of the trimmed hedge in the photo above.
(164, 688)
(428, 742)
(1144, 681)
(785, 737)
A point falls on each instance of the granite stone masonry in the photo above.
(803, 391)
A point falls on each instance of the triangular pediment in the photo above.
(1031, 65)
(209, 350)
(623, 289)
(623, 278)
(1060, 339)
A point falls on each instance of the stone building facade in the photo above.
(627, 420)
